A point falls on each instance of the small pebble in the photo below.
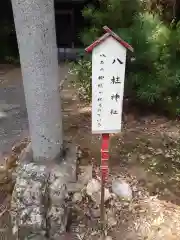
(105, 238)
(3, 115)
(95, 212)
(122, 189)
(77, 197)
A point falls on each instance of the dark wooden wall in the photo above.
(69, 23)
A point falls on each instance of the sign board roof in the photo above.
(108, 33)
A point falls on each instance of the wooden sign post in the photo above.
(108, 73)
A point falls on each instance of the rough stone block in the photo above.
(38, 208)
(58, 191)
(57, 217)
(60, 176)
(28, 200)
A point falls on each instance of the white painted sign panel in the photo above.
(108, 72)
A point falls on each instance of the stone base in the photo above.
(39, 209)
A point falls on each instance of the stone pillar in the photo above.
(38, 206)
(35, 29)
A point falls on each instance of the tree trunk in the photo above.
(174, 10)
(35, 29)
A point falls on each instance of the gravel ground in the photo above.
(13, 128)
(13, 114)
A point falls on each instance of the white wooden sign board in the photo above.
(108, 72)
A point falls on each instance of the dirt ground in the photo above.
(13, 130)
(146, 154)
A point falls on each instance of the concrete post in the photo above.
(35, 29)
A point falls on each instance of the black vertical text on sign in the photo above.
(100, 89)
(115, 80)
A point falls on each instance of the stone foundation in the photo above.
(39, 208)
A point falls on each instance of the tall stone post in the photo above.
(38, 207)
(35, 29)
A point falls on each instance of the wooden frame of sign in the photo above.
(108, 73)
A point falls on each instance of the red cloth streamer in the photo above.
(105, 156)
